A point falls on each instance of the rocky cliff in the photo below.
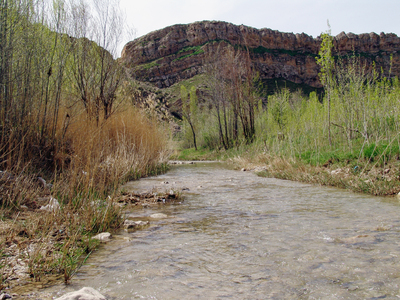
(178, 52)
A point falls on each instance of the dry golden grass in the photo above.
(125, 146)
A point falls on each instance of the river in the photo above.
(239, 236)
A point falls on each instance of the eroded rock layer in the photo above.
(166, 56)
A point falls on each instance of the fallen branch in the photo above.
(365, 135)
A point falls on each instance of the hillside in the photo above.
(170, 55)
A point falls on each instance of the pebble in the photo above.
(53, 205)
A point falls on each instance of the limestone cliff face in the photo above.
(166, 56)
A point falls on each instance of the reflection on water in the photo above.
(239, 236)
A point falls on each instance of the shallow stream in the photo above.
(239, 236)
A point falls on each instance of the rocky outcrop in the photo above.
(166, 56)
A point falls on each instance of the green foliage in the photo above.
(70, 259)
(326, 62)
(317, 158)
(193, 154)
(149, 65)
(279, 108)
(189, 49)
(193, 102)
(381, 151)
(194, 50)
(325, 59)
(50, 71)
(184, 96)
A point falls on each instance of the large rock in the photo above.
(86, 293)
(178, 52)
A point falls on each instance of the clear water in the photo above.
(239, 236)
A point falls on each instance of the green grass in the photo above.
(194, 50)
(149, 65)
(382, 151)
(317, 158)
(193, 154)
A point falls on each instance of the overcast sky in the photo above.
(297, 16)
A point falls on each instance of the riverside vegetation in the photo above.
(69, 136)
(348, 136)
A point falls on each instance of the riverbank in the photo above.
(361, 175)
(53, 205)
(373, 180)
(31, 261)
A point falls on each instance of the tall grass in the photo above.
(125, 146)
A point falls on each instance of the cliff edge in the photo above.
(178, 52)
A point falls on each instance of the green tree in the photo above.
(327, 64)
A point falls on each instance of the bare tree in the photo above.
(96, 73)
(233, 94)
(219, 101)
